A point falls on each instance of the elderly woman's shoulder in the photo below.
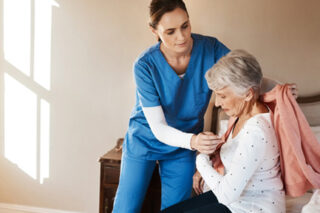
(260, 123)
(260, 128)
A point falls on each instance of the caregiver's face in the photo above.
(230, 102)
(174, 30)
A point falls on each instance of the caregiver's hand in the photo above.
(198, 183)
(205, 142)
(294, 90)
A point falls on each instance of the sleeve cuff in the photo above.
(187, 144)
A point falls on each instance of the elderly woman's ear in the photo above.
(250, 95)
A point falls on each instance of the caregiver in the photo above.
(167, 120)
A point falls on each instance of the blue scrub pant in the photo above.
(176, 182)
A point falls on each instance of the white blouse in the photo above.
(252, 181)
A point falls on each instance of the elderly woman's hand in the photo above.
(294, 90)
(205, 142)
(198, 183)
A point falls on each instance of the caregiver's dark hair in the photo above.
(159, 7)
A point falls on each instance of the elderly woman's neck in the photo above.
(251, 109)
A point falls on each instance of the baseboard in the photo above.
(13, 208)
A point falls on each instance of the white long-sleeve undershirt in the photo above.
(251, 163)
(162, 131)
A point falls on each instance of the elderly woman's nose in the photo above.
(217, 102)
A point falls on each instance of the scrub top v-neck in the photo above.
(183, 100)
(170, 70)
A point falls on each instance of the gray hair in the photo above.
(239, 70)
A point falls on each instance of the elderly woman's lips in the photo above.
(182, 44)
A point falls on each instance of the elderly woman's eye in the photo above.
(170, 32)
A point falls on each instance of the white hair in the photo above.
(238, 70)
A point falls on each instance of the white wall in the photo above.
(94, 44)
(283, 35)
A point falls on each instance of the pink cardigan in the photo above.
(299, 148)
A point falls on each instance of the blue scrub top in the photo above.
(184, 101)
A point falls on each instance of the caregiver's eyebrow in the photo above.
(170, 29)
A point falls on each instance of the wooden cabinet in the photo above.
(109, 179)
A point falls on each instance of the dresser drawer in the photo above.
(109, 195)
(111, 175)
(109, 180)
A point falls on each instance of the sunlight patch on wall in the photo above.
(17, 33)
(42, 42)
(44, 139)
(27, 46)
(20, 125)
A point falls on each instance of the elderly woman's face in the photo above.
(230, 102)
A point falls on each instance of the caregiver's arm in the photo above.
(203, 142)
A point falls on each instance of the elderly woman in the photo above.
(251, 181)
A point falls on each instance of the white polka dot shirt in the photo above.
(251, 182)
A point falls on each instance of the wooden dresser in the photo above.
(109, 179)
